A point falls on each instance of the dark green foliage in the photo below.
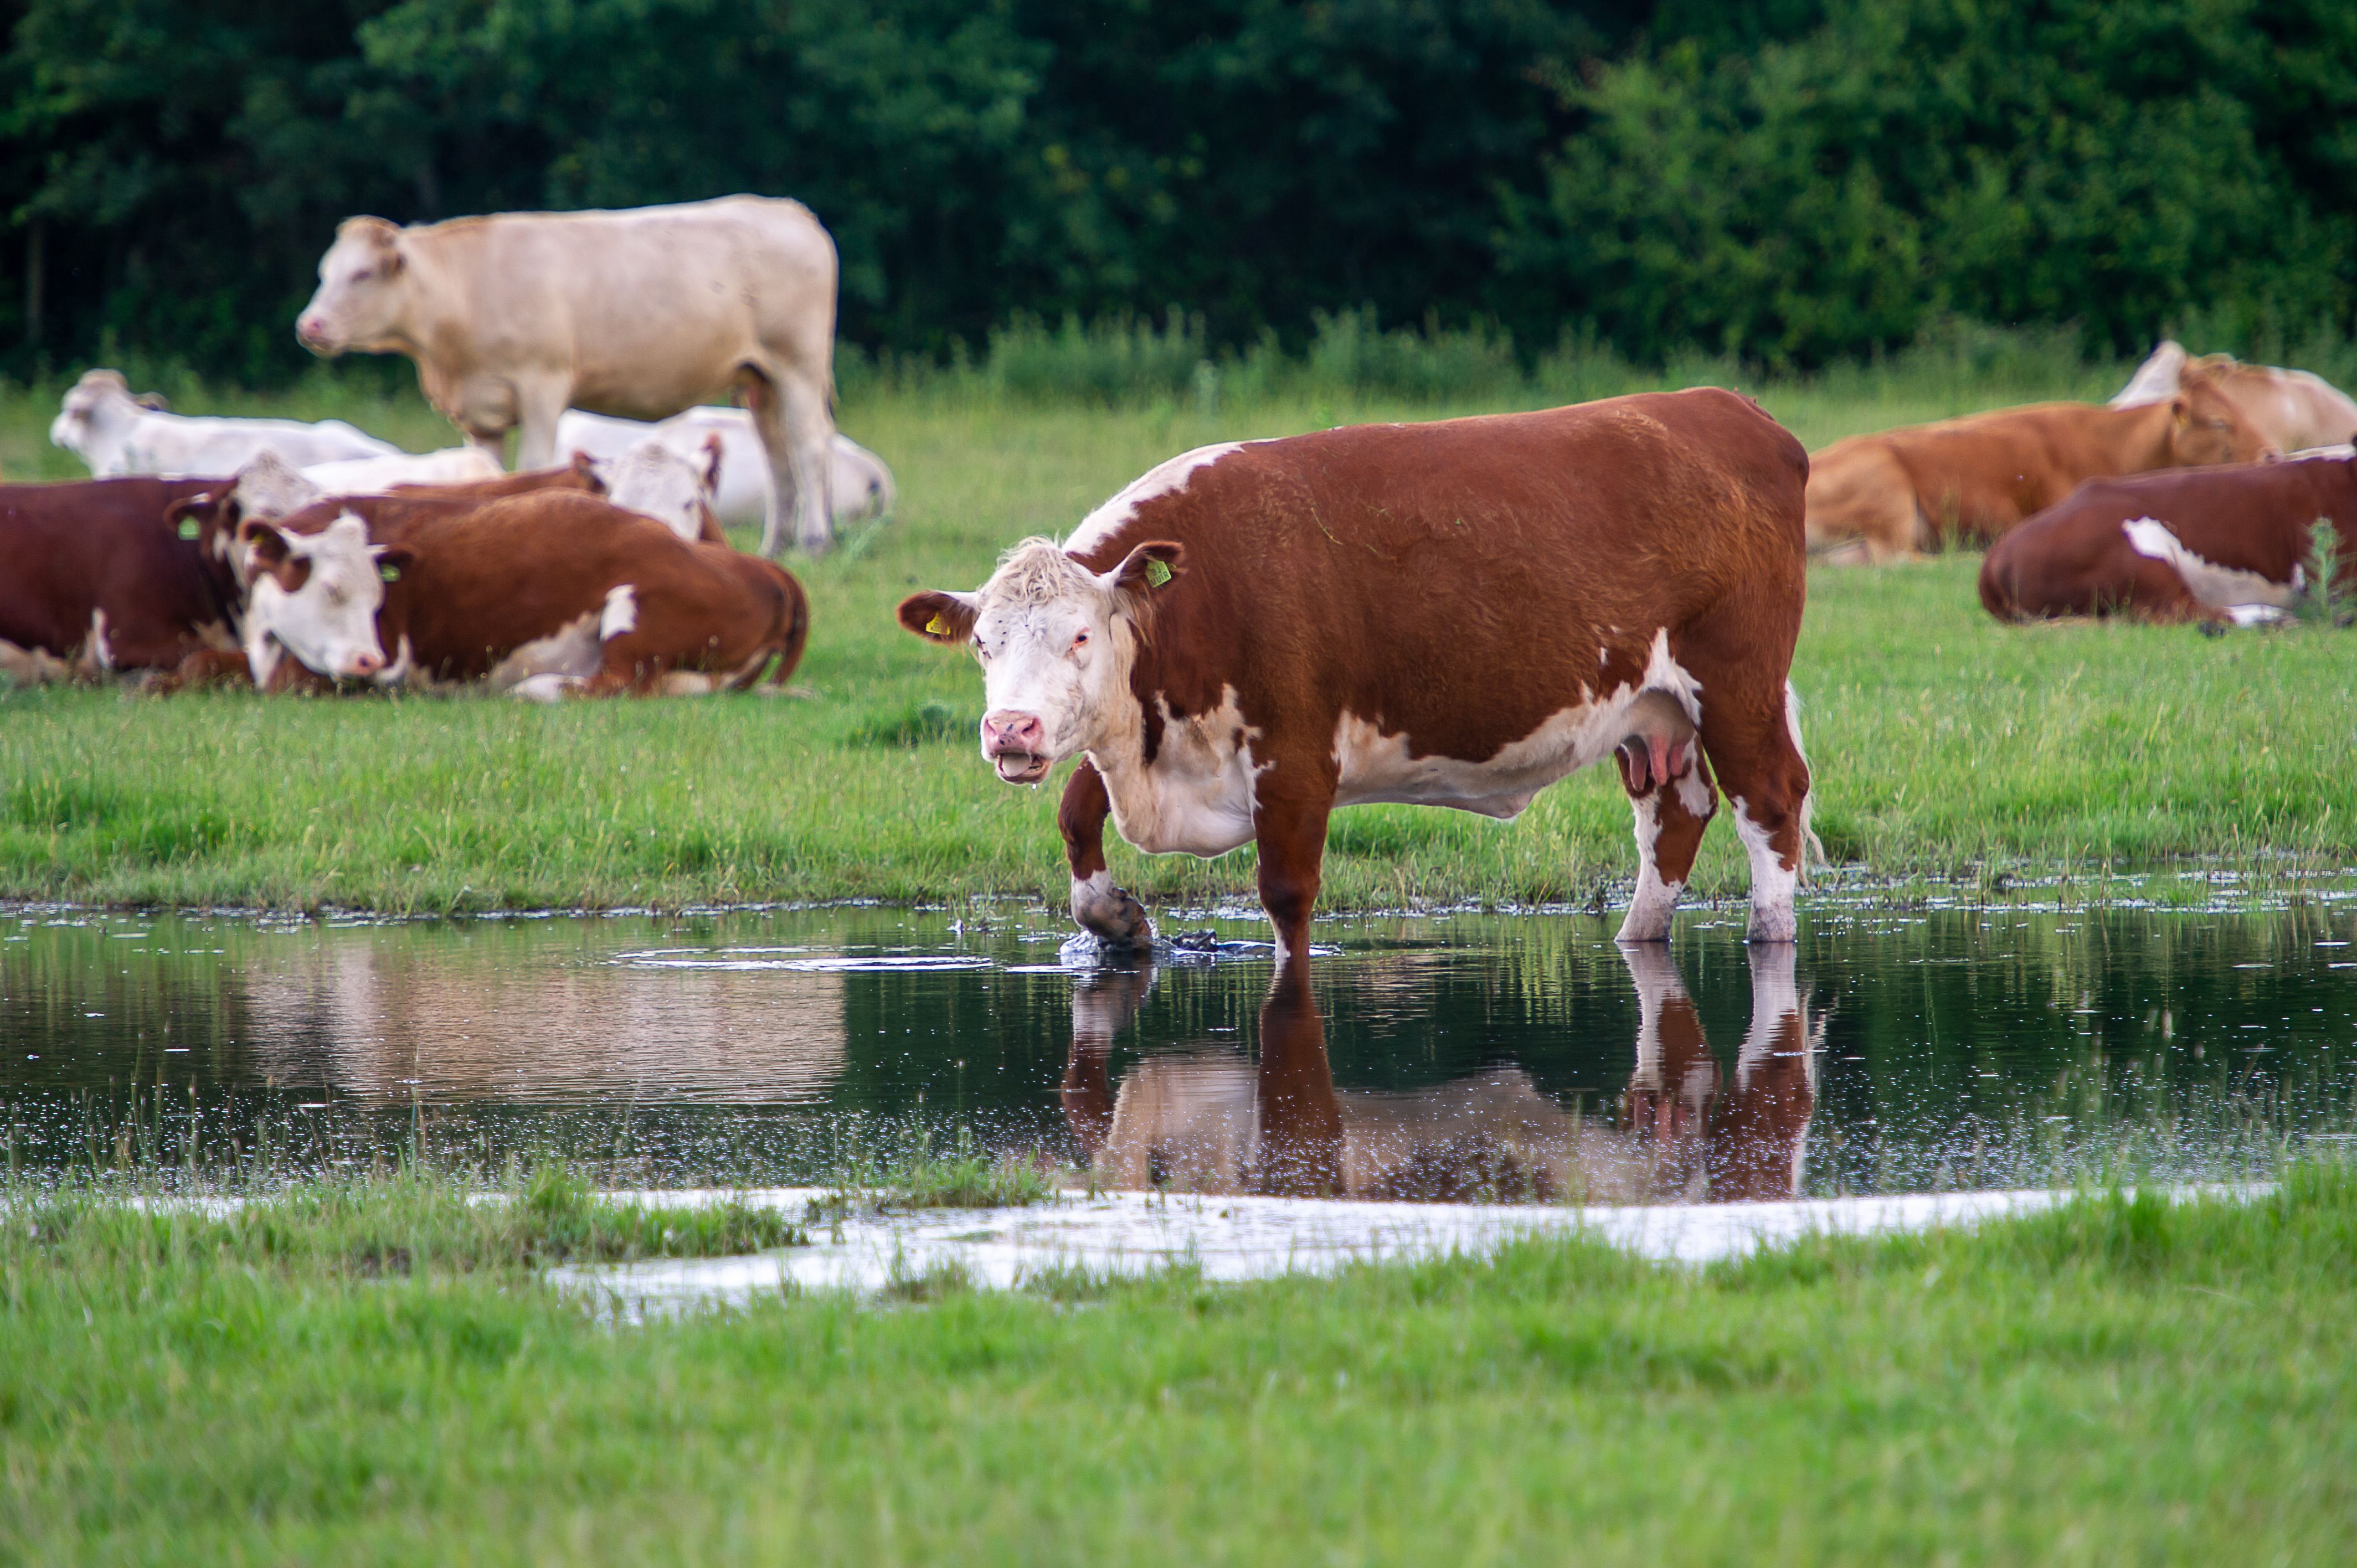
(1787, 183)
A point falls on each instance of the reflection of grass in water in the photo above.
(2170, 1380)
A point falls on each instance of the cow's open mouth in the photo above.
(1020, 767)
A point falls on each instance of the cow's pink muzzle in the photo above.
(1016, 745)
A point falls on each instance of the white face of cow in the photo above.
(676, 491)
(99, 398)
(316, 597)
(1056, 642)
(363, 294)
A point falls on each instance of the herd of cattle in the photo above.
(2173, 502)
(1245, 638)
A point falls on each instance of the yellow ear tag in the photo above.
(938, 627)
(1156, 572)
(390, 573)
(187, 528)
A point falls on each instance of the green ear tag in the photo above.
(1156, 572)
(390, 573)
(187, 528)
(938, 627)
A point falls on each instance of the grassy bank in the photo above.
(1942, 740)
(2120, 1380)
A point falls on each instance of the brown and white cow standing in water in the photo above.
(1895, 493)
(2213, 544)
(1456, 613)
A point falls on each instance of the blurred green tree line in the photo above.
(1787, 181)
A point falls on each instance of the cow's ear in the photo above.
(154, 402)
(1156, 565)
(939, 618)
(266, 543)
(185, 517)
(2180, 408)
(584, 468)
(268, 550)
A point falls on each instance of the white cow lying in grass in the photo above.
(651, 479)
(371, 475)
(117, 434)
(857, 480)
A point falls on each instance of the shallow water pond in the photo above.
(1442, 1058)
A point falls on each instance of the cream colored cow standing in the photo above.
(514, 318)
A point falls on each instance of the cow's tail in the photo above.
(1812, 851)
(796, 633)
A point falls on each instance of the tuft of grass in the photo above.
(413, 1220)
(2323, 601)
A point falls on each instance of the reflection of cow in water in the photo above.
(1217, 1124)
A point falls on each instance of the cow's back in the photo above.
(646, 309)
(1466, 572)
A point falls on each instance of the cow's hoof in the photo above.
(1776, 924)
(1110, 914)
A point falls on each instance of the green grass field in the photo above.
(1944, 744)
(369, 1372)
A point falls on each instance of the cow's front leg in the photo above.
(1291, 841)
(539, 404)
(1103, 910)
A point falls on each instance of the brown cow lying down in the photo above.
(210, 520)
(2212, 544)
(1897, 493)
(542, 595)
(1455, 614)
(94, 580)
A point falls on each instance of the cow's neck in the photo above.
(2144, 437)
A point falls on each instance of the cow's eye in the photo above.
(363, 274)
(1081, 638)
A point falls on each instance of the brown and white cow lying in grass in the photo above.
(2215, 544)
(545, 595)
(1456, 613)
(1897, 493)
(95, 581)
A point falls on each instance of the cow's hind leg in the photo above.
(1669, 791)
(1754, 745)
(790, 414)
(1103, 910)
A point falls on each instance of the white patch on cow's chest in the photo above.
(1197, 798)
(1375, 767)
(2221, 587)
